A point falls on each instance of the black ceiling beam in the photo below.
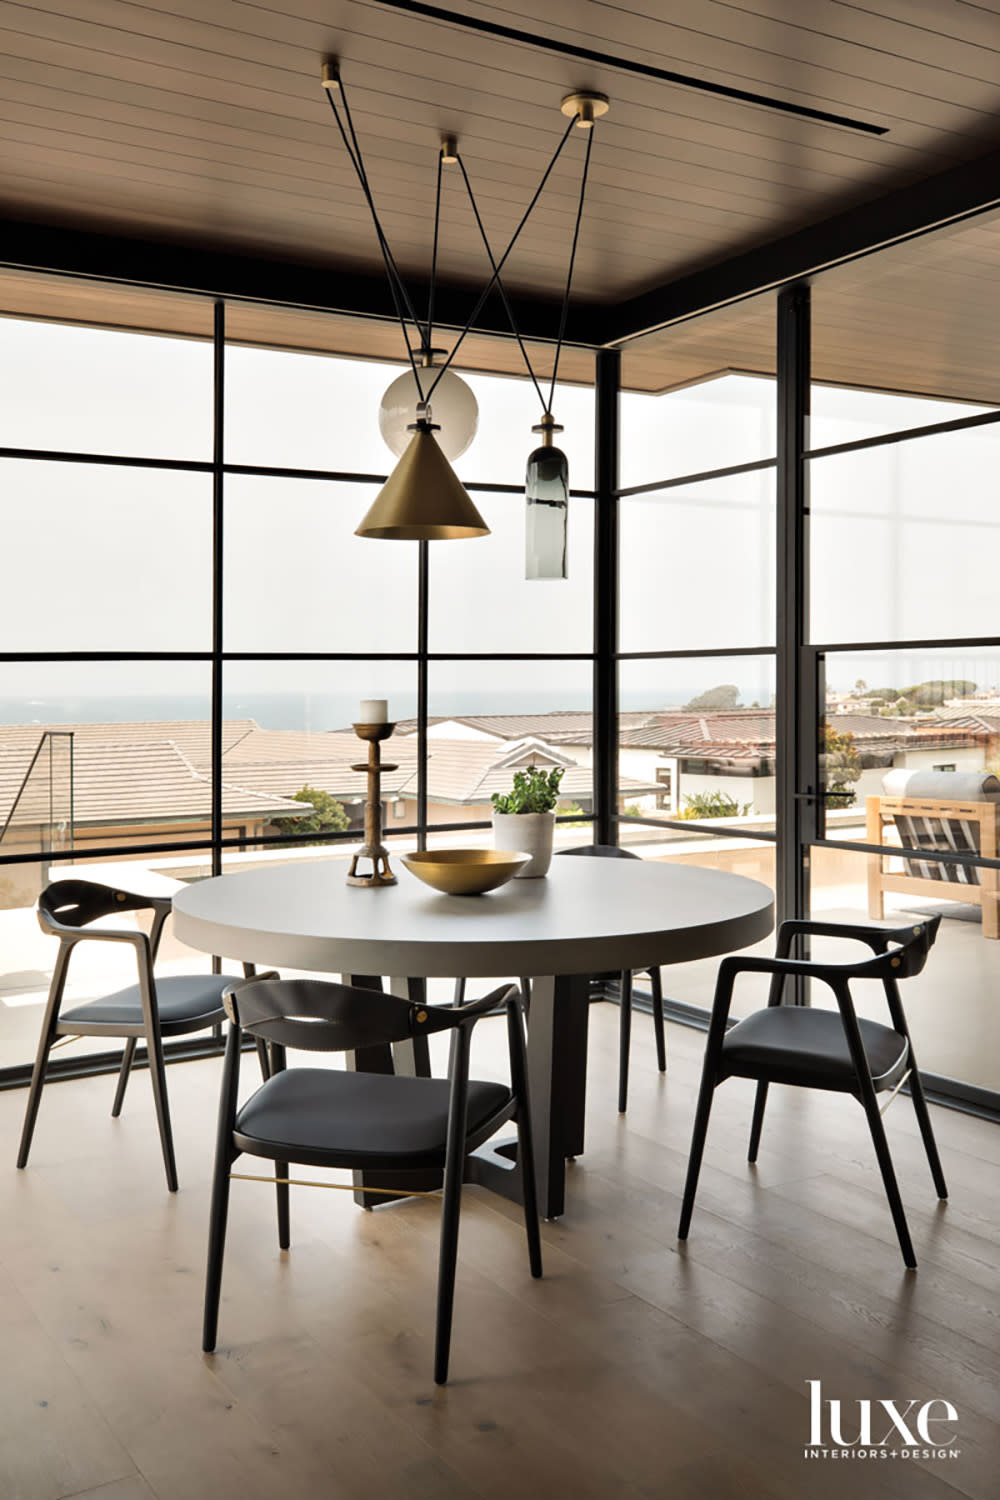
(547, 43)
(959, 193)
(215, 272)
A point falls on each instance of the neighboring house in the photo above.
(470, 759)
(675, 754)
(111, 784)
(734, 752)
(640, 772)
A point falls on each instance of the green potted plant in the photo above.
(524, 818)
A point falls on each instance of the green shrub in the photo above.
(712, 805)
(327, 816)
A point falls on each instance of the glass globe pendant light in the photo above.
(456, 411)
(546, 489)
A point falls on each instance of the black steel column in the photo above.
(218, 570)
(606, 482)
(797, 709)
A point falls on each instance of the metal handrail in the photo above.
(45, 742)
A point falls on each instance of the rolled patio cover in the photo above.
(943, 786)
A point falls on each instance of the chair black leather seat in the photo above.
(185, 1003)
(363, 1115)
(148, 1011)
(403, 1134)
(799, 1045)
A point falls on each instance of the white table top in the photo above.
(587, 916)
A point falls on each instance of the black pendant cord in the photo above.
(396, 286)
(434, 257)
(569, 274)
(503, 259)
(363, 173)
(499, 283)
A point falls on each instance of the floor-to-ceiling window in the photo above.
(179, 516)
(190, 624)
(696, 633)
(905, 548)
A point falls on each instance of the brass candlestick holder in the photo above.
(373, 848)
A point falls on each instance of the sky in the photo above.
(905, 538)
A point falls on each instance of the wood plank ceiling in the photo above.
(922, 318)
(202, 123)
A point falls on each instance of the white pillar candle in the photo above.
(374, 711)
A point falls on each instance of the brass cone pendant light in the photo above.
(423, 500)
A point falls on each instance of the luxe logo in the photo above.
(880, 1429)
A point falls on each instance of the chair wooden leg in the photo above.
(45, 1040)
(158, 1078)
(870, 1105)
(624, 1038)
(128, 1056)
(525, 1139)
(451, 1207)
(525, 984)
(34, 1096)
(927, 1133)
(225, 1155)
(656, 980)
(263, 1059)
(282, 1190)
(216, 1247)
(697, 1148)
(758, 1119)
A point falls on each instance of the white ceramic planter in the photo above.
(531, 833)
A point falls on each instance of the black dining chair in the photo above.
(151, 1009)
(385, 1123)
(822, 1049)
(614, 851)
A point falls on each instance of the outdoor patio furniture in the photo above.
(152, 1009)
(322, 1117)
(939, 811)
(822, 1049)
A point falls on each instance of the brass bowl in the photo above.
(464, 872)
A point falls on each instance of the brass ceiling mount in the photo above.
(587, 105)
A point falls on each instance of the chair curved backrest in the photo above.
(76, 903)
(315, 1015)
(904, 955)
(602, 851)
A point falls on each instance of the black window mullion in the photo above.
(423, 670)
(606, 584)
(218, 573)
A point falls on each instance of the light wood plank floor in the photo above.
(635, 1369)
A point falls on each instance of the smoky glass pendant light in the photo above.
(546, 490)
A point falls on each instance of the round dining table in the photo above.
(586, 917)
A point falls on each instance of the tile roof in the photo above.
(468, 772)
(143, 781)
(563, 726)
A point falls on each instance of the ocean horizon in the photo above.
(320, 712)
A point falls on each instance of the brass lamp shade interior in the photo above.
(423, 499)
